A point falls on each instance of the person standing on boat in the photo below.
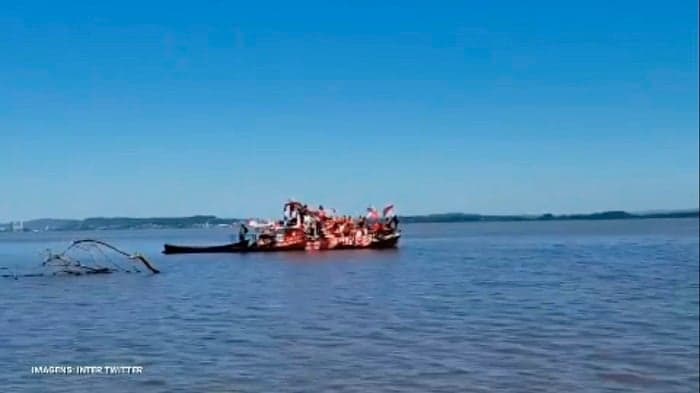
(394, 222)
(287, 211)
(242, 233)
(318, 227)
(296, 218)
(362, 222)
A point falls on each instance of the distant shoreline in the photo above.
(208, 221)
(607, 215)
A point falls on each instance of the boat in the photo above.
(305, 229)
(226, 248)
(235, 248)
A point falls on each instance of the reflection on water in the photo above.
(580, 306)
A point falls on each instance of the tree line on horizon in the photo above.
(198, 221)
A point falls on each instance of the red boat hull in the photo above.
(389, 241)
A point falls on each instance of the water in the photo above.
(591, 306)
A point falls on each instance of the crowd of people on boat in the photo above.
(301, 223)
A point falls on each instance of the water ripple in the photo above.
(545, 307)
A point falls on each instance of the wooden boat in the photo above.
(386, 241)
(389, 241)
(240, 247)
(326, 234)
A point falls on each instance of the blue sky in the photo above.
(227, 108)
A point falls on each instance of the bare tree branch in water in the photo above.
(89, 256)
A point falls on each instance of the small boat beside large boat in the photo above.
(226, 248)
(305, 229)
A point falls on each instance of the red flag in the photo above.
(372, 213)
(388, 210)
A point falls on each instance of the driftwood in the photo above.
(135, 256)
(86, 257)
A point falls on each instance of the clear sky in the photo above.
(176, 108)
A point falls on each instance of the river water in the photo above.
(580, 306)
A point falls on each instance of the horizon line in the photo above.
(649, 211)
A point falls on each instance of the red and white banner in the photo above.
(372, 213)
(388, 210)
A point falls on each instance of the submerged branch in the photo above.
(89, 256)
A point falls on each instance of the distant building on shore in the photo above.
(17, 226)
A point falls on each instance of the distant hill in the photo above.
(607, 215)
(200, 221)
(104, 223)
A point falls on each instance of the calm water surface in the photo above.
(591, 306)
